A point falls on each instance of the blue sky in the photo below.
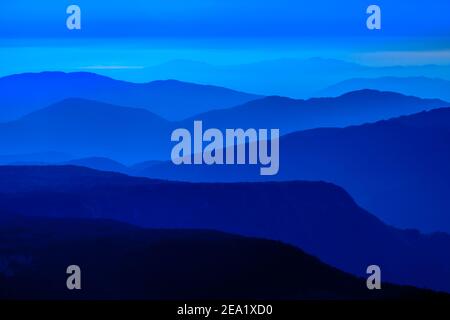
(133, 35)
(229, 18)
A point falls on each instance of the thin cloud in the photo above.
(111, 67)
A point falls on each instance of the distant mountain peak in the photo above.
(368, 92)
(419, 86)
(171, 99)
(85, 107)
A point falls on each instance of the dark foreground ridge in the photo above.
(119, 261)
(317, 217)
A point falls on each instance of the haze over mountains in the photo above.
(24, 93)
(175, 100)
(415, 86)
(397, 169)
(292, 115)
(36, 158)
(113, 138)
(191, 264)
(320, 218)
(295, 78)
(87, 128)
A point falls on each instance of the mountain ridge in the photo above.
(171, 99)
(321, 218)
(296, 78)
(87, 128)
(395, 168)
(198, 264)
(423, 87)
(353, 108)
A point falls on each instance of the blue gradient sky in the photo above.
(230, 18)
(141, 33)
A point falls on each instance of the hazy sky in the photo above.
(135, 34)
(231, 18)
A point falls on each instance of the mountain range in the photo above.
(378, 164)
(191, 264)
(397, 169)
(318, 217)
(86, 128)
(290, 77)
(174, 100)
(177, 100)
(415, 86)
(292, 115)
(388, 150)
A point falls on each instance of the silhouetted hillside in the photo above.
(295, 78)
(88, 128)
(290, 115)
(119, 261)
(415, 86)
(318, 217)
(397, 169)
(23, 93)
